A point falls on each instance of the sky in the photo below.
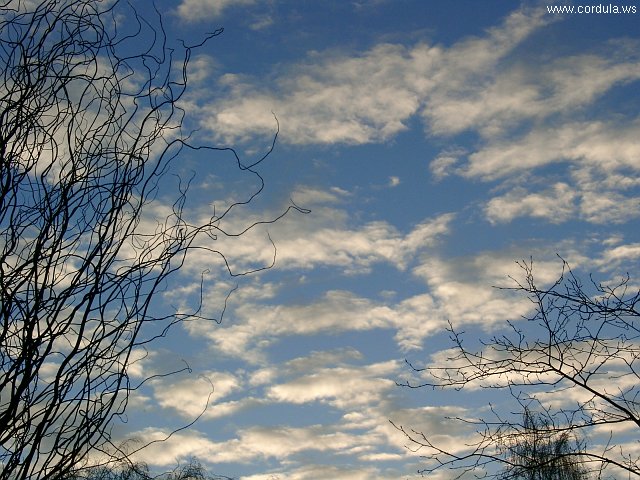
(435, 143)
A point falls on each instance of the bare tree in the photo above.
(536, 450)
(89, 126)
(192, 470)
(576, 356)
(122, 471)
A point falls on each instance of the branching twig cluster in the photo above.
(89, 125)
(576, 359)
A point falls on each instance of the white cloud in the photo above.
(416, 318)
(307, 196)
(322, 472)
(607, 146)
(622, 252)
(318, 240)
(320, 359)
(482, 84)
(197, 10)
(444, 163)
(530, 88)
(597, 160)
(169, 448)
(367, 97)
(200, 68)
(254, 443)
(456, 289)
(611, 258)
(283, 442)
(464, 292)
(193, 396)
(260, 325)
(363, 391)
(556, 204)
(608, 195)
(325, 102)
(261, 22)
(343, 387)
(328, 237)
(257, 326)
(438, 423)
(609, 207)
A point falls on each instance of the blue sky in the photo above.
(435, 143)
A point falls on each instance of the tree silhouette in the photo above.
(90, 124)
(577, 356)
(192, 470)
(535, 450)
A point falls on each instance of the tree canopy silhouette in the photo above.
(192, 470)
(537, 450)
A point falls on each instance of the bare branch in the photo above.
(575, 357)
(90, 124)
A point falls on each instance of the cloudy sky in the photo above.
(435, 144)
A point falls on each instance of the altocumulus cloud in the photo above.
(479, 85)
(367, 97)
